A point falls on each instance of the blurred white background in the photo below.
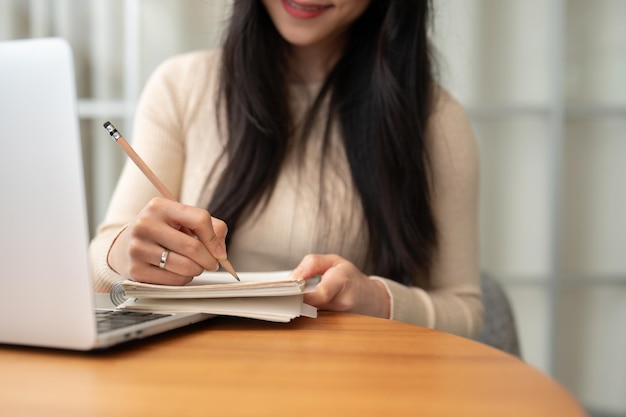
(544, 82)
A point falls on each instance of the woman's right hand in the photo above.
(161, 226)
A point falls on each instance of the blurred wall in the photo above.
(545, 85)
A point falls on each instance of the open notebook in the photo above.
(46, 296)
(270, 296)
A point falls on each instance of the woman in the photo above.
(319, 136)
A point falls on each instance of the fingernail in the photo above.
(295, 274)
(220, 251)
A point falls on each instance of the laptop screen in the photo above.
(45, 287)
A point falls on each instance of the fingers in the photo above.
(155, 275)
(333, 290)
(161, 225)
(312, 265)
(325, 297)
(145, 265)
(343, 286)
(176, 263)
(211, 232)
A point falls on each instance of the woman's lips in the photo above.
(303, 10)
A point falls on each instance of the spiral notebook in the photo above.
(270, 296)
(46, 296)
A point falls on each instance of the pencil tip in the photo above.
(227, 266)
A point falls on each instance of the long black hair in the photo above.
(381, 94)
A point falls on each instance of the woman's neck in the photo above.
(312, 63)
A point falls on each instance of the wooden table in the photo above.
(335, 365)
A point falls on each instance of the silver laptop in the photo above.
(46, 296)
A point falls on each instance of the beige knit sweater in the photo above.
(176, 134)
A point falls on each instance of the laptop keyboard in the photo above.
(109, 320)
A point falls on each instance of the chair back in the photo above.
(499, 328)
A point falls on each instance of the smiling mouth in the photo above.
(305, 8)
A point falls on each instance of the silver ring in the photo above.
(164, 255)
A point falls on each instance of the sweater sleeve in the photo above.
(453, 302)
(458, 311)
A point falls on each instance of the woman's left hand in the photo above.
(343, 286)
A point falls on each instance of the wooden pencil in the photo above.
(121, 141)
